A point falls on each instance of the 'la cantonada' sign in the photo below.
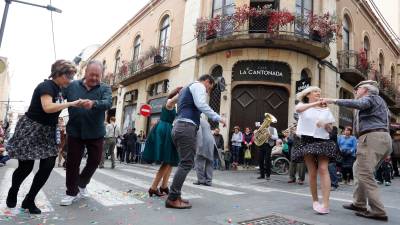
(261, 70)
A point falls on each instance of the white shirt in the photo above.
(199, 93)
(112, 130)
(308, 119)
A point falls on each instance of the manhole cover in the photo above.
(273, 220)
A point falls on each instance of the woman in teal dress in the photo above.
(160, 148)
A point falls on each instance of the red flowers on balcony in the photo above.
(278, 19)
(325, 26)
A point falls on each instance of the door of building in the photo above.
(250, 102)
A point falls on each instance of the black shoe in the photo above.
(12, 198)
(30, 206)
(197, 183)
(260, 177)
(268, 178)
(369, 215)
(164, 190)
(207, 184)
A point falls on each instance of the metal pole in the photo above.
(3, 21)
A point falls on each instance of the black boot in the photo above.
(29, 204)
(12, 198)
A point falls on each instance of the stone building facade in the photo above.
(263, 62)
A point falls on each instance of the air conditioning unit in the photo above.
(128, 97)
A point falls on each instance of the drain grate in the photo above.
(274, 220)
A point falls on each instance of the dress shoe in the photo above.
(291, 181)
(260, 177)
(183, 200)
(268, 178)
(300, 182)
(367, 214)
(197, 183)
(177, 204)
(207, 184)
(164, 190)
(354, 208)
(30, 206)
(12, 198)
(155, 192)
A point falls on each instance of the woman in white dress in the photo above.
(315, 147)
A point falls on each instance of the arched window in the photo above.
(346, 33)
(304, 74)
(393, 75)
(303, 8)
(136, 53)
(164, 32)
(381, 64)
(136, 48)
(104, 64)
(215, 95)
(366, 46)
(117, 61)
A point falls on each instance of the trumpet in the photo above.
(290, 129)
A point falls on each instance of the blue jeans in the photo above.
(332, 174)
(235, 153)
(4, 159)
(216, 164)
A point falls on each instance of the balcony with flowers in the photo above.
(264, 28)
(387, 89)
(110, 79)
(153, 61)
(353, 66)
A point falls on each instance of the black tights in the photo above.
(25, 168)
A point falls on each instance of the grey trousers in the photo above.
(372, 148)
(300, 168)
(204, 169)
(109, 145)
(221, 159)
(184, 137)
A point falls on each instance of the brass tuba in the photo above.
(261, 135)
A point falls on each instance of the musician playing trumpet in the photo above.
(315, 148)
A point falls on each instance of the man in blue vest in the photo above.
(191, 103)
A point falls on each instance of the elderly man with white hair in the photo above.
(371, 125)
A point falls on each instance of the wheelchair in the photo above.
(279, 164)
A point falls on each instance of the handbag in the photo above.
(247, 154)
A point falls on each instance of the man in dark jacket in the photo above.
(219, 141)
(130, 139)
(396, 153)
(85, 128)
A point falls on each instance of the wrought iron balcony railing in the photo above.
(146, 63)
(350, 60)
(260, 24)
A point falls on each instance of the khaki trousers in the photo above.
(372, 148)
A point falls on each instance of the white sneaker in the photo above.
(68, 200)
(83, 192)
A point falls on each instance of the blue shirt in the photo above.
(88, 123)
(347, 144)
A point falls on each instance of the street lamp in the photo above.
(8, 2)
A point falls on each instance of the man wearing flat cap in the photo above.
(371, 124)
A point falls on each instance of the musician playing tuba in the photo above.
(265, 151)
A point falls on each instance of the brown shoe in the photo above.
(291, 181)
(300, 182)
(354, 208)
(369, 215)
(177, 204)
(184, 200)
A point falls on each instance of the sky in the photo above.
(27, 40)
